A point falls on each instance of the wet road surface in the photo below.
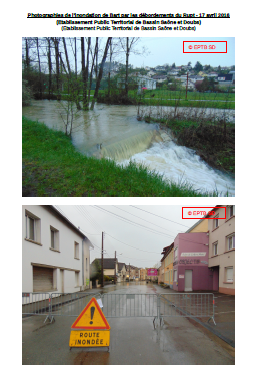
(134, 341)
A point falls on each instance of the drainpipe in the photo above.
(83, 241)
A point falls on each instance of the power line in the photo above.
(134, 223)
(139, 217)
(167, 219)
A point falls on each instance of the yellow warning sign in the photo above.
(89, 339)
(91, 318)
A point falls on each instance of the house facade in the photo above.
(191, 272)
(110, 267)
(122, 272)
(222, 249)
(142, 274)
(139, 80)
(55, 254)
(168, 259)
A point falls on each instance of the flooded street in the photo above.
(133, 341)
(114, 132)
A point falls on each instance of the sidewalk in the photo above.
(224, 315)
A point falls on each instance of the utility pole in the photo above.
(129, 271)
(102, 260)
(115, 269)
(187, 83)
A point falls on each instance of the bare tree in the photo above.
(100, 72)
(128, 45)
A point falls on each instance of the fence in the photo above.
(187, 305)
(121, 305)
(36, 304)
(129, 305)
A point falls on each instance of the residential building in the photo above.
(222, 249)
(138, 80)
(160, 274)
(110, 267)
(142, 274)
(190, 264)
(55, 253)
(132, 272)
(226, 78)
(152, 274)
(168, 255)
(159, 78)
(122, 271)
(199, 226)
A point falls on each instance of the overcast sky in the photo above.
(139, 243)
(170, 50)
(159, 51)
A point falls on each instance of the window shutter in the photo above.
(229, 274)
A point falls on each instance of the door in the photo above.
(188, 280)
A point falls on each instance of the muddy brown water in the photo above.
(114, 132)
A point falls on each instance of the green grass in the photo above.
(53, 167)
(173, 98)
(178, 98)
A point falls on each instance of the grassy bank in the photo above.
(163, 98)
(170, 98)
(213, 141)
(53, 167)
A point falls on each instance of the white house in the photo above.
(55, 254)
(140, 80)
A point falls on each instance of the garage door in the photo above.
(42, 279)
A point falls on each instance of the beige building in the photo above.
(222, 249)
(200, 226)
(142, 274)
(122, 272)
(167, 260)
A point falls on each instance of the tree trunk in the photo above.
(127, 58)
(84, 76)
(56, 44)
(100, 73)
(39, 66)
(50, 68)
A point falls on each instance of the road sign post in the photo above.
(91, 328)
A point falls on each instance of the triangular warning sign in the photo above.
(91, 318)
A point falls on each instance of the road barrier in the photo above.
(114, 305)
(36, 304)
(129, 305)
(199, 305)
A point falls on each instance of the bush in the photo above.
(27, 94)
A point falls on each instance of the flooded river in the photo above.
(114, 132)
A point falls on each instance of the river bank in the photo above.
(52, 167)
(214, 141)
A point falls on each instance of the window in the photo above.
(215, 248)
(31, 234)
(54, 239)
(229, 274)
(33, 227)
(171, 276)
(76, 250)
(175, 253)
(175, 275)
(231, 211)
(216, 222)
(230, 242)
